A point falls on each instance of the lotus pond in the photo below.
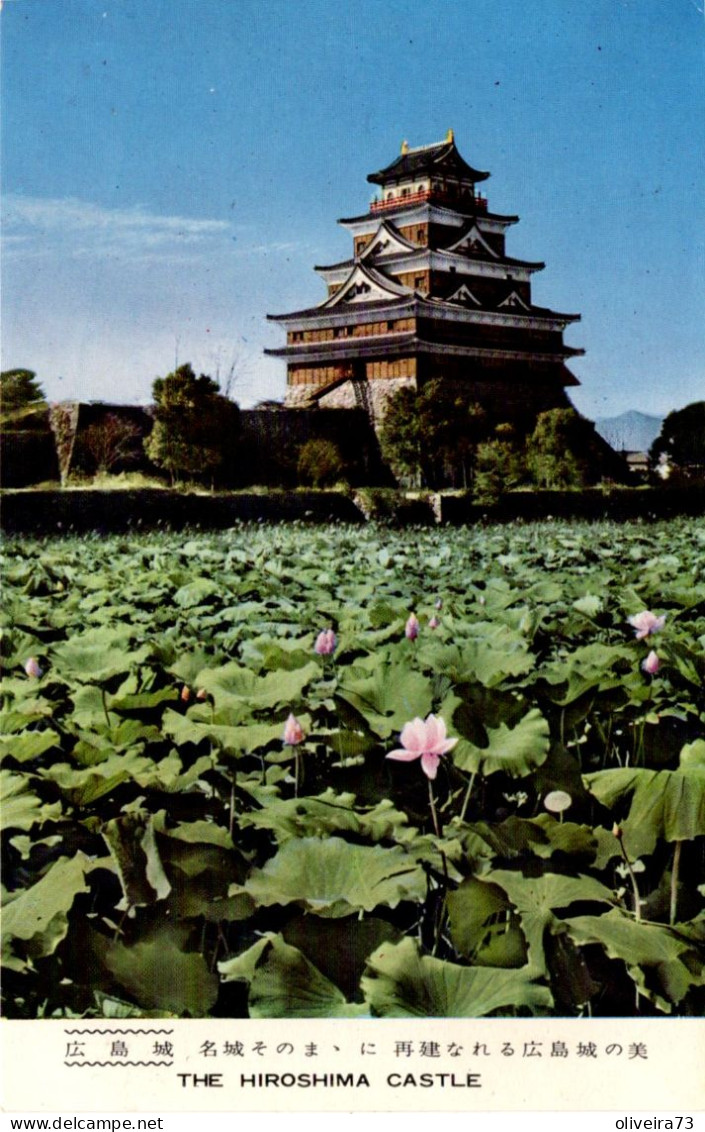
(200, 817)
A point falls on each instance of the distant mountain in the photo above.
(629, 432)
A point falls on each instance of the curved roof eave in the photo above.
(427, 159)
(430, 204)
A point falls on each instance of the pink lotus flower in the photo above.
(425, 740)
(32, 668)
(325, 643)
(645, 623)
(293, 731)
(433, 623)
(652, 663)
(412, 628)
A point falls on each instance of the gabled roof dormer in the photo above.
(463, 295)
(513, 301)
(386, 241)
(473, 243)
(365, 285)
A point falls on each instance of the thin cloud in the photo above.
(37, 227)
(82, 228)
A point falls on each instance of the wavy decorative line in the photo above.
(117, 1030)
(117, 1064)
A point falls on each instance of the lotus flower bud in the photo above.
(325, 643)
(439, 603)
(293, 731)
(32, 668)
(201, 694)
(185, 695)
(433, 623)
(617, 831)
(652, 663)
(412, 628)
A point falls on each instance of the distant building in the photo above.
(638, 463)
(429, 292)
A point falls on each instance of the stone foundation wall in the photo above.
(371, 396)
(299, 396)
(381, 391)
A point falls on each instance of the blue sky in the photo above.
(173, 169)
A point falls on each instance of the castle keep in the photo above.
(429, 292)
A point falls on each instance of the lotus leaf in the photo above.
(387, 696)
(162, 976)
(491, 655)
(232, 685)
(537, 899)
(400, 982)
(480, 922)
(284, 984)
(38, 916)
(334, 878)
(514, 750)
(647, 949)
(665, 803)
(20, 807)
(96, 656)
(23, 748)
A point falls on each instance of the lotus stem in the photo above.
(231, 823)
(432, 802)
(468, 792)
(442, 913)
(632, 878)
(674, 882)
(296, 771)
(441, 918)
(105, 707)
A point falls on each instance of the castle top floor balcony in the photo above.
(439, 196)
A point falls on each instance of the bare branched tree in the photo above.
(231, 372)
(112, 441)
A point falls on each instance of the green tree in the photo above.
(682, 437)
(431, 436)
(194, 426)
(400, 437)
(452, 426)
(500, 464)
(320, 463)
(20, 392)
(28, 448)
(558, 449)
